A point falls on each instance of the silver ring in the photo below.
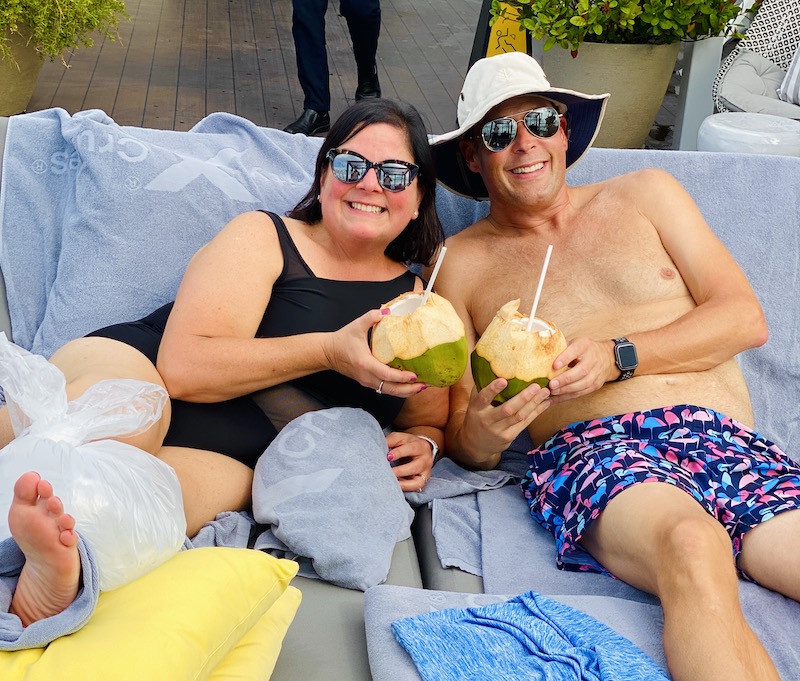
(419, 491)
(424, 479)
(380, 389)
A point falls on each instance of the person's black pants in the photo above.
(308, 30)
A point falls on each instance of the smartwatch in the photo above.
(625, 358)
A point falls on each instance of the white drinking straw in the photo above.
(539, 287)
(433, 274)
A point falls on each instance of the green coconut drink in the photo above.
(428, 339)
(507, 349)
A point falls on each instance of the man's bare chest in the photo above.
(594, 274)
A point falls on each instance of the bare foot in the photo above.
(49, 579)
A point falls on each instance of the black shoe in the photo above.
(369, 89)
(310, 123)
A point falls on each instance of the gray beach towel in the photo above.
(327, 492)
(452, 496)
(13, 636)
(455, 523)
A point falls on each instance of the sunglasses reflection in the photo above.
(543, 122)
(350, 167)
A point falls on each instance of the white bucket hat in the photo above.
(493, 80)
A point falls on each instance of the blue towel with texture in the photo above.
(527, 637)
(13, 636)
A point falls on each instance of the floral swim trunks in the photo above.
(737, 475)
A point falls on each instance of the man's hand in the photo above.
(490, 429)
(590, 365)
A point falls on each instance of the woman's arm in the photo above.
(209, 353)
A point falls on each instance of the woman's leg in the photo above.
(45, 533)
(87, 361)
(211, 484)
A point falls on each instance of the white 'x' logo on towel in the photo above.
(178, 176)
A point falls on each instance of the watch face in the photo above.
(626, 356)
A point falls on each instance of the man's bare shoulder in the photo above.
(633, 182)
(468, 234)
(468, 240)
(465, 259)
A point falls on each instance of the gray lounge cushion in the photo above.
(751, 84)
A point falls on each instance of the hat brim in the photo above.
(585, 114)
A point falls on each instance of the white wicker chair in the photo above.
(773, 35)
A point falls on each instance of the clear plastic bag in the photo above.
(127, 503)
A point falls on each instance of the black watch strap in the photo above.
(625, 358)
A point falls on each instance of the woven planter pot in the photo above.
(17, 81)
(637, 77)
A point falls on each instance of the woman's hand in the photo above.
(347, 351)
(412, 460)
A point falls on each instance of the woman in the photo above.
(272, 317)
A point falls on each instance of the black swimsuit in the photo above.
(300, 303)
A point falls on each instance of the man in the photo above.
(308, 30)
(655, 309)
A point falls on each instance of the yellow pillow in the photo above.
(255, 656)
(177, 622)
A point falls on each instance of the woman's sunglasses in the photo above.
(350, 167)
(499, 133)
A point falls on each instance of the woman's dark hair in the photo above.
(420, 240)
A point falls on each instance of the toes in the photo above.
(68, 537)
(26, 488)
(53, 504)
(66, 522)
(45, 489)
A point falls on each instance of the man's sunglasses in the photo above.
(499, 133)
(350, 167)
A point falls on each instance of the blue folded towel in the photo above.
(527, 637)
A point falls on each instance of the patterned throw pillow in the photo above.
(789, 91)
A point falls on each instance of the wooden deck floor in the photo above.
(180, 60)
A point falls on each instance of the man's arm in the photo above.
(727, 319)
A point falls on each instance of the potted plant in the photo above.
(625, 47)
(31, 30)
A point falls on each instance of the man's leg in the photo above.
(308, 31)
(776, 570)
(364, 23)
(659, 539)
